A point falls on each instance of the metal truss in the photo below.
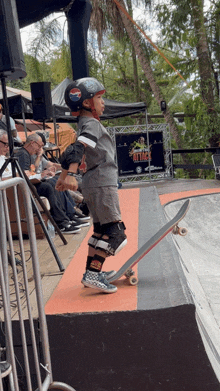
(151, 176)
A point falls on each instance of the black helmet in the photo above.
(81, 89)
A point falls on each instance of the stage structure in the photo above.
(143, 152)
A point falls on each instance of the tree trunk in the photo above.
(204, 61)
(205, 68)
(134, 37)
(134, 59)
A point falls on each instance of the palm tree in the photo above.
(111, 14)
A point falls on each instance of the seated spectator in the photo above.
(3, 125)
(41, 162)
(45, 188)
(48, 169)
(4, 148)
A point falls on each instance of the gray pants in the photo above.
(103, 204)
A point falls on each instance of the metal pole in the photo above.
(24, 123)
(148, 145)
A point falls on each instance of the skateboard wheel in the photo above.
(183, 231)
(133, 280)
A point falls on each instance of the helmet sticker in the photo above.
(75, 94)
(90, 85)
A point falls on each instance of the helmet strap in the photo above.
(93, 110)
(87, 108)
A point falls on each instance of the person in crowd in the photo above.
(4, 149)
(49, 169)
(3, 125)
(99, 183)
(45, 188)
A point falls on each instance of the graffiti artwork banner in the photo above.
(134, 156)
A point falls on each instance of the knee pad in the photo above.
(94, 239)
(92, 242)
(97, 228)
(116, 238)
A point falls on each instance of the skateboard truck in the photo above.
(179, 231)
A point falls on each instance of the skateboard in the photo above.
(171, 226)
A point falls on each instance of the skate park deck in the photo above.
(162, 334)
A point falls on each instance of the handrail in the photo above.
(28, 301)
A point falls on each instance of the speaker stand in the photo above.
(17, 169)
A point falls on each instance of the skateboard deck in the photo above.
(172, 225)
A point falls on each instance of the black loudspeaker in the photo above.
(12, 64)
(163, 105)
(41, 101)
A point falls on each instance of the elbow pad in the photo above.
(73, 154)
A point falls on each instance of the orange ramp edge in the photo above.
(165, 198)
(71, 297)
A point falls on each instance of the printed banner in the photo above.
(134, 156)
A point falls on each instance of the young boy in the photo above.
(99, 183)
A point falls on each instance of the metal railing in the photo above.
(22, 299)
(191, 166)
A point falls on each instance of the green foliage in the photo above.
(201, 127)
(175, 20)
(49, 60)
(116, 72)
(36, 71)
(48, 34)
(61, 63)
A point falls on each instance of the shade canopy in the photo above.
(113, 109)
(20, 102)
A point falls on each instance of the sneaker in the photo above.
(97, 281)
(84, 208)
(81, 216)
(69, 228)
(109, 275)
(80, 223)
(5, 368)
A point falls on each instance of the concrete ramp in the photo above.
(199, 253)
